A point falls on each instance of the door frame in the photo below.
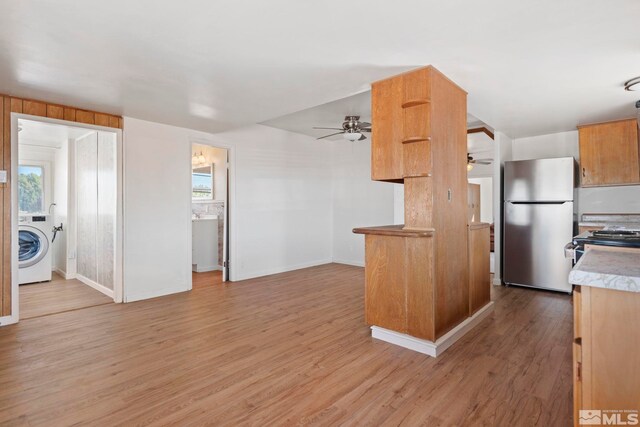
(230, 229)
(119, 255)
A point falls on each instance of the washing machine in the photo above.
(34, 258)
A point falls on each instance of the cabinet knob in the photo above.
(584, 173)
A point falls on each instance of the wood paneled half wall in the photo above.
(34, 108)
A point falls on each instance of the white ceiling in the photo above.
(331, 115)
(529, 67)
(47, 134)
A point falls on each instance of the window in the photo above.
(31, 189)
(202, 183)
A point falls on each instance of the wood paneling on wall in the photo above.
(35, 108)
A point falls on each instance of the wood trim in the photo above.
(395, 230)
(427, 67)
(604, 123)
(38, 108)
(481, 130)
(63, 112)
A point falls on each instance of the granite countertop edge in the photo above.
(609, 270)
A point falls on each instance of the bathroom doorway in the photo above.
(209, 215)
(66, 216)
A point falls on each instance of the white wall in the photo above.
(503, 152)
(281, 201)
(357, 201)
(623, 199)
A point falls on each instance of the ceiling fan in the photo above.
(352, 129)
(471, 161)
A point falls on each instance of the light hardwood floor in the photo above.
(57, 296)
(204, 280)
(281, 350)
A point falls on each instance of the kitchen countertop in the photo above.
(394, 230)
(608, 269)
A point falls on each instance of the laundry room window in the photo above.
(31, 188)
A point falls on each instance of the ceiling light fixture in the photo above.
(352, 135)
(469, 167)
(198, 159)
(633, 84)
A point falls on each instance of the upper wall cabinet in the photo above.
(609, 153)
(415, 117)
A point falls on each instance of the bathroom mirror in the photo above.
(202, 183)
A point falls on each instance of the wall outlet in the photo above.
(3, 176)
(72, 254)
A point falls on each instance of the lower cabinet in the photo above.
(606, 356)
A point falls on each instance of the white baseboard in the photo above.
(268, 272)
(98, 287)
(354, 263)
(8, 320)
(430, 348)
(156, 293)
(204, 269)
(61, 273)
(497, 281)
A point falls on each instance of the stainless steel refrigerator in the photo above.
(539, 219)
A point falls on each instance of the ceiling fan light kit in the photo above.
(633, 84)
(352, 135)
(352, 129)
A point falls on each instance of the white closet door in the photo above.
(87, 204)
(106, 226)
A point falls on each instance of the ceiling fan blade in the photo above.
(484, 162)
(365, 129)
(331, 134)
(364, 125)
(328, 128)
(362, 138)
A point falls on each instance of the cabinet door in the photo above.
(611, 370)
(386, 138)
(609, 154)
(385, 282)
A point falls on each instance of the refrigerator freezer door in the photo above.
(542, 180)
(535, 236)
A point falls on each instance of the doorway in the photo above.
(66, 222)
(209, 191)
(481, 204)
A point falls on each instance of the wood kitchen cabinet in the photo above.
(479, 266)
(606, 350)
(417, 273)
(609, 153)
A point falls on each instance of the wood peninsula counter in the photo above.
(401, 295)
(427, 281)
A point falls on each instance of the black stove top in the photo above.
(624, 238)
(618, 234)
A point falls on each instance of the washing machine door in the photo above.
(33, 246)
